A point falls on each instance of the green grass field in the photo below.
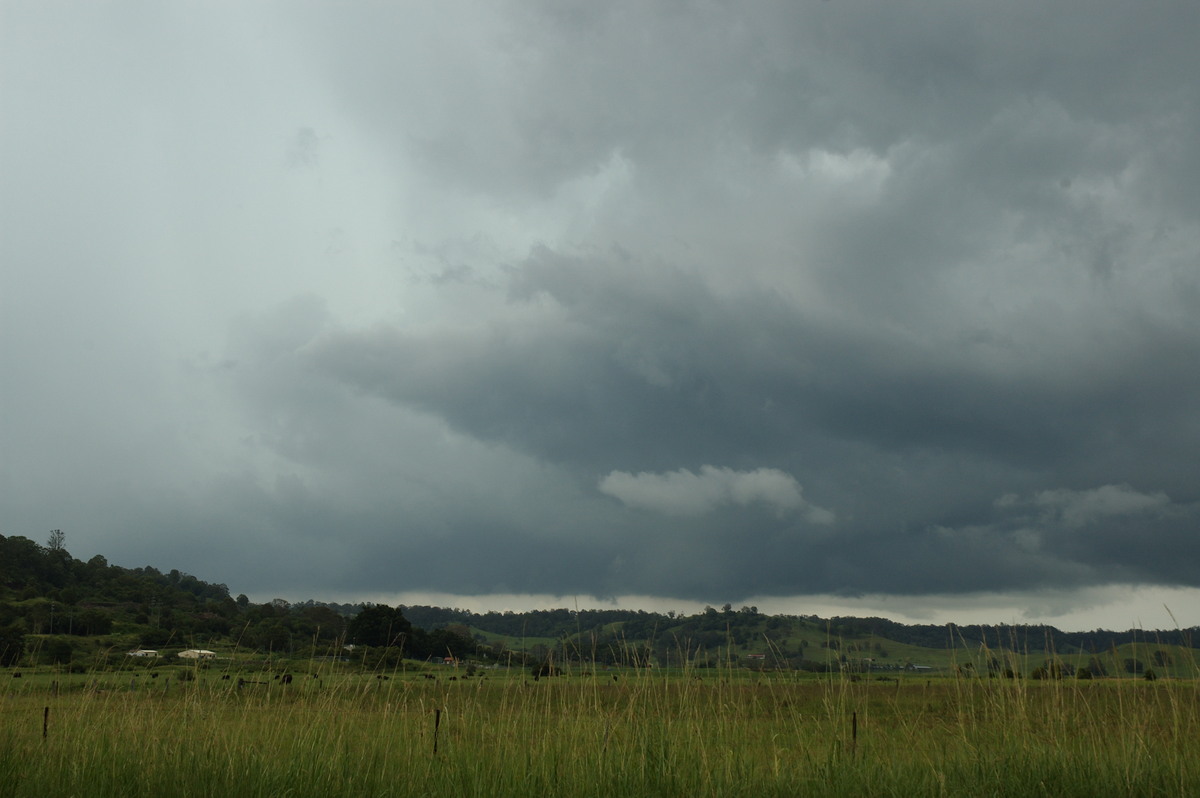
(700, 733)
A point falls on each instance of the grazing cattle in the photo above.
(287, 679)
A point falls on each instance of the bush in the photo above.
(12, 644)
(1083, 673)
(376, 658)
(57, 652)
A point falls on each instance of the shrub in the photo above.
(57, 652)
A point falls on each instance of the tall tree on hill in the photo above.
(56, 540)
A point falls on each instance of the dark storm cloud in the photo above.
(685, 300)
(619, 365)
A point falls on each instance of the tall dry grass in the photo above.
(689, 733)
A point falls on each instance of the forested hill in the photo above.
(59, 610)
(32, 575)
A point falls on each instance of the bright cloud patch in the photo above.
(685, 493)
(1079, 508)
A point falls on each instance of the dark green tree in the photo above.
(271, 635)
(320, 622)
(1134, 666)
(379, 625)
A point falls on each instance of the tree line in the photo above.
(68, 609)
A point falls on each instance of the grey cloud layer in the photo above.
(694, 300)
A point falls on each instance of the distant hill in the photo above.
(806, 641)
(639, 624)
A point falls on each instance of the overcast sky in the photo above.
(858, 307)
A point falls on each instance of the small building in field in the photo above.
(143, 652)
(197, 653)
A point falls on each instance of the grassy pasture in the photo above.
(729, 733)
